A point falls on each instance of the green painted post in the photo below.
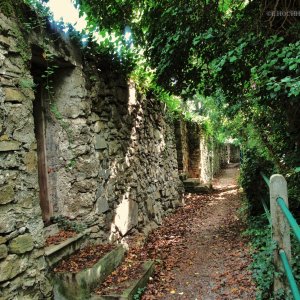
(280, 227)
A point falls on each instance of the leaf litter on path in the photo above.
(201, 252)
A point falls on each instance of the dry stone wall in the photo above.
(93, 150)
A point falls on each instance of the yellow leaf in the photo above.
(173, 292)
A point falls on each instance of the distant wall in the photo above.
(93, 150)
(233, 153)
(199, 155)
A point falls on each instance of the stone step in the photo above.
(191, 182)
(78, 286)
(198, 189)
(132, 286)
(55, 253)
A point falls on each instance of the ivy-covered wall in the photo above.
(75, 140)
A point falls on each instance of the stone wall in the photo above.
(182, 147)
(22, 263)
(199, 154)
(213, 158)
(87, 147)
(193, 137)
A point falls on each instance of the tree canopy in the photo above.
(238, 59)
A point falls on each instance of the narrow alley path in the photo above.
(203, 254)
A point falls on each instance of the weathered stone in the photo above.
(99, 126)
(126, 216)
(114, 147)
(100, 143)
(21, 244)
(9, 146)
(94, 117)
(27, 202)
(84, 186)
(102, 205)
(11, 267)
(3, 251)
(30, 161)
(4, 137)
(13, 95)
(5, 41)
(6, 194)
(7, 222)
(2, 240)
(46, 287)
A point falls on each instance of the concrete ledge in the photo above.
(55, 253)
(77, 286)
(128, 294)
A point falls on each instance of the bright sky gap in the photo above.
(64, 10)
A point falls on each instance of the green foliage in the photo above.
(138, 294)
(251, 180)
(229, 55)
(65, 224)
(25, 83)
(262, 253)
(7, 8)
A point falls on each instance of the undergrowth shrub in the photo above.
(262, 267)
(251, 180)
(262, 249)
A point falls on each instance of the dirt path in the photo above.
(203, 255)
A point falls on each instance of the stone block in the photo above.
(13, 95)
(9, 146)
(3, 251)
(114, 147)
(2, 240)
(11, 267)
(30, 161)
(100, 143)
(99, 126)
(21, 244)
(126, 216)
(7, 222)
(5, 41)
(7, 194)
(102, 205)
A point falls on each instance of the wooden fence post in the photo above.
(280, 227)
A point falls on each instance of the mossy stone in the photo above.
(3, 251)
(21, 244)
(7, 194)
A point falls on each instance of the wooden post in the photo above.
(280, 227)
